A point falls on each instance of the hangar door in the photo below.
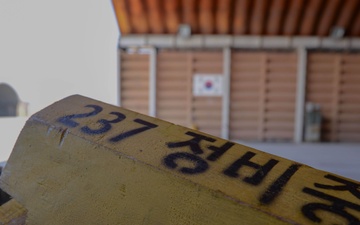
(333, 81)
(262, 91)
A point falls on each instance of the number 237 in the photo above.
(106, 125)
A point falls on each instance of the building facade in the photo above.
(253, 86)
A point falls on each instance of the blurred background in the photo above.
(49, 50)
(282, 76)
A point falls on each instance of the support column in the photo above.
(119, 73)
(300, 95)
(189, 97)
(226, 93)
(336, 99)
(152, 82)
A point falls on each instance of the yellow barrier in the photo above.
(81, 161)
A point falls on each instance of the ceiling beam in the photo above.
(347, 13)
(241, 16)
(293, 17)
(122, 16)
(258, 17)
(139, 17)
(172, 15)
(222, 17)
(328, 17)
(276, 15)
(155, 17)
(355, 31)
(190, 14)
(311, 16)
(206, 16)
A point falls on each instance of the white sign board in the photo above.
(207, 85)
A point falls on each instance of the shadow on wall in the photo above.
(10, 104)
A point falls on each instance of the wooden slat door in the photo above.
(175, 100)
(173, 87)
(207, 110)
(134, 82)
(246, 73)
(280, 96)
(349, 99)
(263, 94)
(333, 82)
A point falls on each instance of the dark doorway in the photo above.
(8, 101)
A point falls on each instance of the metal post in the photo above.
(152, 83)
(119, 73)
(300, 95)
(226, 93)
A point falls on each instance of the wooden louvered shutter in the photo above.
(349, 100)
(175, 100)
(173, 87)
(333, 81)
(246, 73)
(206, 110)
(134, 82)
(280, 96)
(263, 93)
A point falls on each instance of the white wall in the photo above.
(51, 49)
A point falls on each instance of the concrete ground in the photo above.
(341, 159)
